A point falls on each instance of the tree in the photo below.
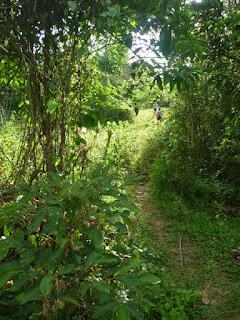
(50, 42)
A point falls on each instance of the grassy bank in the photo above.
(194, 252)
(209, 239)
(210, 245)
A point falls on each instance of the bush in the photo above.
(113, 114)
(196, 153)
(67, 253)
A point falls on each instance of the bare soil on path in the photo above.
(185, 260)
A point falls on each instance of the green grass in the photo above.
(208, 242)
(128, 141)
(132, 138)
(10, 134)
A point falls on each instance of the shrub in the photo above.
(173, 175)
(113, 114)
(67, 253)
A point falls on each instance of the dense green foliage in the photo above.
(67, 252)
(199, 143)
(68, 246)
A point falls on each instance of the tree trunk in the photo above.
(47, 121)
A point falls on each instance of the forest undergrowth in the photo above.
(72, 248)
(198, 247)
(193, 250)
(80, 150)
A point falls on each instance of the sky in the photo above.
(145, 53)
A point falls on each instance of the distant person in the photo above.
(157, 111)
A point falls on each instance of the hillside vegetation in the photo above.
(105, 211)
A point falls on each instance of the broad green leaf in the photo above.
(96, 258)
(105, 310)
(43, 256)
(58, 253)
(101, 286)
(69, 268)
(118, 9)
(158, 79)
(50, 227)
(31, 295)
(72, 5)
(23, 279)
(27, 256)
(18, 235)
(84, 287)
(70, 300)
(122, 313)
(93, 258)
(10, 266)
(114, 11)
(4, 277)
(165, 42)
(46, 284)
(54, 210)
(149, 278)
(4, 247)
(121, 227)
(166, 78)
(130, 282)
(104, 15)
(124, 201)
(52, 106)
(127, 39)
(135, 312)
(81, 51)
(36, 221)
(96, 237)
(134, 263)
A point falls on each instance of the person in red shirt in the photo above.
(157, 111)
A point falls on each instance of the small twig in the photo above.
(4, 49)
(110, 133)
(6, 156)
(12, 77)
(180, 251)
(11, 162)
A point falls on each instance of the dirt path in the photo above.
(206, 265)
(180, 249)
(186, 262)
(149, 213)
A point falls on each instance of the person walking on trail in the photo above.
(157, 111)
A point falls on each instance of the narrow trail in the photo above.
(161, 235)
(204, 261)
(149, 212)
(187, 265)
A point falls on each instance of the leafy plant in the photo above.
(66, 252)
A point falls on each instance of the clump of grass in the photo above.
(209, 242)
(9, 146)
